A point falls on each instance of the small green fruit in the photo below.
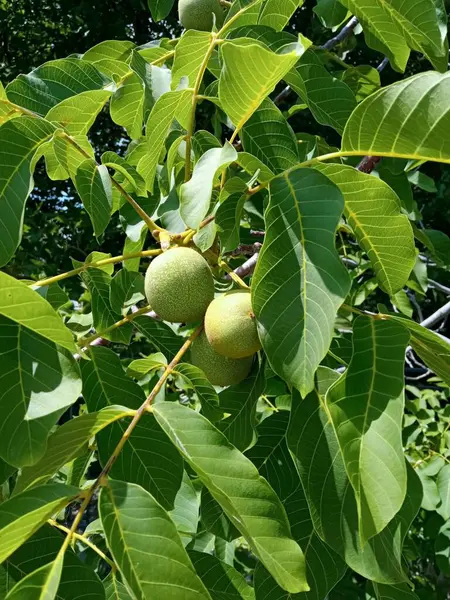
(179, 285)
(198, 14)
(220, 370)
(230, 325)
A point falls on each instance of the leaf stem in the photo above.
(125, 437)
(128, 319)
(84, 540)
(94, 265)
(234, 276)
(153, 228)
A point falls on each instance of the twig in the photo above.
(145, 407)
(247, 249)
(440, 314)
(383, 64)
(247, 268)
(438, 286)
(342, 35)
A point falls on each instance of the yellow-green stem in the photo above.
(128, 319)
(101, 479)
(233, 275)
(84, 540)
(94, 265)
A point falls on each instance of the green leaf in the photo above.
(366, 411)
(146, 546)
(394, 592)
(228, 220)
(163, 113)
(22, 515)
(116, 162)
(67, 155)
(276, 13)
(160, 8)
(299, 282)
(19, 140)
(94, 187)
(330, 100)
(19, 303)
(98, 283)
(185, 513)
(46, 579)
(432, 348)
(160, 335)
(127, 106)
(324, 568)
(140, 367)
(114, 589)
(392, 28)
(111, 50)
(78, 113)
(39, 382)
(53, 82)
(404, 120)
(77, 578)
(331, 498)
(239, 402)
(248, 500)
(362, 80)
(148, 458)
(269, 137)
(437, 242)
(248, 13)
(194, 378)
(68, 442)
(250, 73)
(443, 485)
(214, 520)
(54, 295)
(125, 286)
(373, 211)
(195, 195)
(221, 580)
(189, 55)
(330, 12)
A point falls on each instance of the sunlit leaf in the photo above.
(276, 13)
(19, 303)
(22, 515)
(94, 187)
(53, 82)
(78, 113)
(189, 55)
(68, 442)
(408, 119)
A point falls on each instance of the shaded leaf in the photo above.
(145, 545)
(94, 187)
(39, 381)
(248, 500)
(221, 580)
(19, 140)
(124, 285)
(239, 402)
(195, 379)
(299, 282)
(46, 579)
(160, 335)
(366, 408)
(67, 443)
(22, 515)
(148, 458)
(268, 136)
(185, 513)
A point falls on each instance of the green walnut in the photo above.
(198, 14)
(230, 325)
(219, 369)
(179, 285)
